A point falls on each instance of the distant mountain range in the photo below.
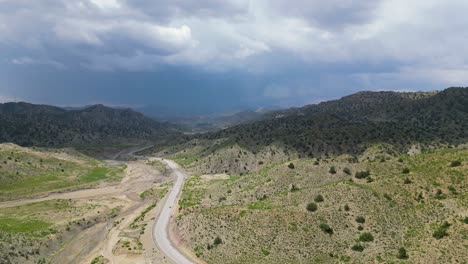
(42, 125)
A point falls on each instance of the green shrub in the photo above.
(217, 241)
(465, 220)
(346, 207)
(366, 237)
(360, 228)
(360, 219)
(407, 181)
(318, 198)
(455, 163)
(311, 207)
(347, 171)
(332, 170)
(402, 253)
(291, 165)
(452, 189)
(358, 247)
(362, 174)
(326, 228)
(316, 162)
(441, 231)
(405, 171)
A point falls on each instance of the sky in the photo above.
(215, 56)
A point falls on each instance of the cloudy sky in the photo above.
(211, 55)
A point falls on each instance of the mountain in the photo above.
(349, 125)
(42, 125)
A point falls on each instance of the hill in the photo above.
(42, 125)
(345, 126)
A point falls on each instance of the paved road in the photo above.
(161, 227)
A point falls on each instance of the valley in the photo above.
(370, 178)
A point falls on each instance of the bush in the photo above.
(291, 165)
(347, 171)
(402, 253)
(346, 207)
(326, 228)
(366, 237)
(360, 228)
(318, 198)
(358, 247)
(332, 170)
(441, 231)
(311, 207)
(465, 220)
(360, 219)
(316, 162)
(405, 171)
(217, 241)
(455, 163)
(362, 174)
(407, 181)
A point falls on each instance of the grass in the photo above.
(28, 226)
(260, 212)
(26, 172)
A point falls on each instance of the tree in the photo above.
(402, 254)
(311, 207)
(366, 237)
(318, 198)
(360, 219)
(357, 247)
(326, 228)
(217, 241)
(362, 174)
(347, 171)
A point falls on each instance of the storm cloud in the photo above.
(238, 53)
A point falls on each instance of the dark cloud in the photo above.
(226, 54)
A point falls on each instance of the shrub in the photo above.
(291, 165)
(402, 253)
(465, 220)
(316, 162)
(358, 247)
(346, 207)
(347, 171)
(217, 241)
(407, 181)
(332, 170)
(405, 171)
(452, 189)
(455, 163)
(441, 231)
(360, 219)
(439, 194)
(366, 237)
(318, 198)
(326, 228)
(360, 228)
(362, 174)
(311, 207)
(400, 160)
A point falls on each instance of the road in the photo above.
(161, 227)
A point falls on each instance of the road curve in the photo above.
(161, 227)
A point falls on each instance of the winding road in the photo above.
(161, 227)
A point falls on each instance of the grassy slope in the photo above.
(260, 220)
(26, 172)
